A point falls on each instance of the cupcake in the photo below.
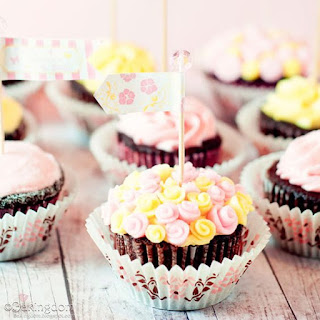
(153, 219)
(178, 246)
(242, 65)
(112, 58)
(292, 110)
(32, 199)
(152, 138)
(288, 193)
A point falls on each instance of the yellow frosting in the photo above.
(12, 114)
(132, 180)
(203, 200)
(118, 58)
(202, 232)
(203, 183)
(297, 101)
(250, 70)
(292, 67)
(117, 221)
(155, 233)
(163, 170)
(174, 194)
(242, 204)
(147, 203)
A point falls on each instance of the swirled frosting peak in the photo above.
(24, 167)
(297, 101)
(160, 129)
(176, 213)
(300, 164)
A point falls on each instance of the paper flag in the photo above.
(46, 59)
(140, 92)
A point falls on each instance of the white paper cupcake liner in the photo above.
(248, 122)
(236, 152)
(88, 115)
(232, 97)
(24, 234)
(21, 90)
(178, 289)
(297, 232)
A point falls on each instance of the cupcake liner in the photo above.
(88, 115)
(248, 122)
(235, 152)
(178, 289)
(23, 234)
(22, 89)
(232, 97)
(294, 230)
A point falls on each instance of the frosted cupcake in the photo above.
(292, 110)
(152, 138)
(286, 190)
(32, 199)
(242, 65)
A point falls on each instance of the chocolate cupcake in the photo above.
(152, 138)
(31, 178)
(154, 219)
(295, 179)
(292, 110)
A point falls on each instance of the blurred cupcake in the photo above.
(32, 199)
(292, 110)
(242, 65)
(140, 141)
(75, 99)
(156, 223)
(286, 190)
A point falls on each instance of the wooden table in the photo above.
(71, 279)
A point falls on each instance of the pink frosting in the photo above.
(160, 129)
(189, 211)
(136, 224)
(190, 187)
(24, 167)
(225, 219)
(300, 164)
(271, 70)
(190, 173)
(228, 68)
(217, 195)
(228, 188)
(109, 207)
(177, 232)
(150, 182)
(210, 174)
(167, 212)
(129, 198)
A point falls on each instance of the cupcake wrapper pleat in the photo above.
(178, 289)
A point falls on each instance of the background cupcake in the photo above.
(242, 65)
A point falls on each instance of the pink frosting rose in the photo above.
(129, 197)
(190, 187)
(228, 188)
(150, 182)
(217, 195)
(136, 224)
(177, 232)
(224, 218)
(167, 212)
(109, 207)
(271, 70)
(189, 211)
(190, 173)
(210, 174)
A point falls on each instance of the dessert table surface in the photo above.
(71, 279)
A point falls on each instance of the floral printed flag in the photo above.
(141, 92)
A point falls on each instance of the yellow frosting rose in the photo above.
(117, 220)
(203, 183)
(250, 70)
(203, 200)
(242, 205)
(12, 114)
(155, 233)
(292, 67)
(163, 170)
(132, 181)
(202, 231)
(170, 182)
(174, 194)
(147, 203)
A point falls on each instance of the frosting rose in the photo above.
(109, 207)
(202, 199)
(300, 163)
(172, 194)
(163, 170)
(203, 183)
(160, 129)
(150, 181)
(129, 198)
(132, 180)
(190, 187)
(135, 224)
(227, 186)
(117, 220)
(203, 229)
(210, 174)
(147, 203)
(189, 211)
(217, 195)
(242, 204)
(166, 213)
(224, 218)
(190, 173)
(177, 232)
(155, 233)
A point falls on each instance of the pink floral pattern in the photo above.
(127, 77)
(148, 86)
(126, 97)
(301, 229)
(5, 237)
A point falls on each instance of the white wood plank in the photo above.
(299, 279)
(40, 279)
